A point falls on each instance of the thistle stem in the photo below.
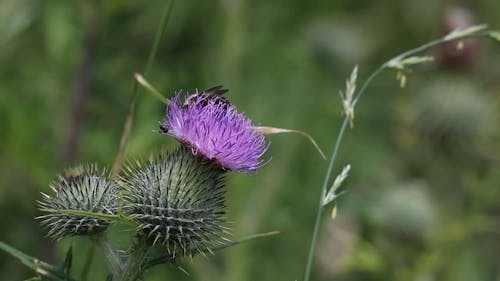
(114, 261)
(88, 263)
(135, 266)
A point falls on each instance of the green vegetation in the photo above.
(423, 196)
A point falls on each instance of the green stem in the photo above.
(127, 128)
(367, 82)
(159, 34)
(114, 261)
(116, 218)
(88, 263)
(408, 53)
(340, 136)
(319, 212)
(41, 268)
(135, 266)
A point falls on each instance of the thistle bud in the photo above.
(178, 201)
(81, 189)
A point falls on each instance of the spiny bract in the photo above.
(82, 189)
(178, 202)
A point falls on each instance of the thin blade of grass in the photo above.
(143, 82)
(168, 258)
(275, 131)
(245, 239)
(68, 261)
(129, 119)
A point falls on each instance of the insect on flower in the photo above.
(214, 94)
(211, 126)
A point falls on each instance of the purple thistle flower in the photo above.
(211, 126)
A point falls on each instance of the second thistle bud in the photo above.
(81, 189)
(178, 202)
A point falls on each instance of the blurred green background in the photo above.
(423, 199)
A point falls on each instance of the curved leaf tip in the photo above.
(274, 131)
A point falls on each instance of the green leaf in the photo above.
(495, 35)
(68, 261)
(43, 269)
(36, 278)
(88, 263)
(143, 82)
(168, 258)
(273, 131)
(245, 239)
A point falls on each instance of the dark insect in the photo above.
(216, 91)
(214, 94)
(163, 128)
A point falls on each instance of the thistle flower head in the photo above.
(211, 126)
(178, 202)
(81, 189)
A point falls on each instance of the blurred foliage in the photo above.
(423, 200)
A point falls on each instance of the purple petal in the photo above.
(213, 127)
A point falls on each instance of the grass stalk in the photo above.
(319, 212)
(129, 120)
(477, 31)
